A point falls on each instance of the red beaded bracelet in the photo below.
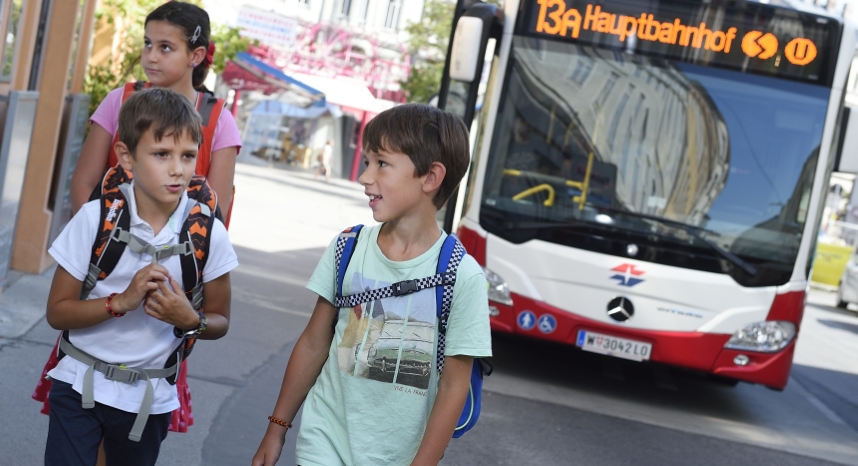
(110, 308)
(279, 422)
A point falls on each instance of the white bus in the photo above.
(648, 176)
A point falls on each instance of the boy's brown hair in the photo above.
(425, 134)
(163, 111)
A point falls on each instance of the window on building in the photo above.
(606, 90)
(346, 7)
(75, 42)
(582, 70)
(13, 30)
(304, 2)
(392, 19)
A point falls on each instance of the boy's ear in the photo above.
(123, 155)
(434, 177)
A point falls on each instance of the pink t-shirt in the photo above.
(107, 116)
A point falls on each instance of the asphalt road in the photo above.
(545, 404)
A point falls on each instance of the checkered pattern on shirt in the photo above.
(447, 302)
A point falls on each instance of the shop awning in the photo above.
(247, 73)
(276, 107)
(353, 96)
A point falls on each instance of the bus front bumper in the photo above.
(693, 350)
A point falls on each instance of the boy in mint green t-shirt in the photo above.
(370, 389)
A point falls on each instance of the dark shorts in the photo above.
(74, 433)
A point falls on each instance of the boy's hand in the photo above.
(271, 446)
(169, 304)
(144, 282)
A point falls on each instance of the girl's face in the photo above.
(166, 59)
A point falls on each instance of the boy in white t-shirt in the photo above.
(138, 315)
(370, 388)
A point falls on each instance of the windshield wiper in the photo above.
(540, 225)
(694, 232)
(691, 230)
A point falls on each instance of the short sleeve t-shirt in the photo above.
(136, 339)
(107, 116)
(372, 400)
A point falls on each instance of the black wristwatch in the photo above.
(179, 333)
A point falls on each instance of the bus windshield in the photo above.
(665, 161)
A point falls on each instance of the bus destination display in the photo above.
(746, 36)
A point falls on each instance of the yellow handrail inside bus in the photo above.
(582, 199)
(543, 187)
(583, 186)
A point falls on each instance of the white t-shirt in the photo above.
(136, 339)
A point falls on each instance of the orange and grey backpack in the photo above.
(113, 237)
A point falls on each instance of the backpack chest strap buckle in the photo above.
(404, 287)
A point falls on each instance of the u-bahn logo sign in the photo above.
(628, 275)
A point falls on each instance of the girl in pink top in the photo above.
(177, 54)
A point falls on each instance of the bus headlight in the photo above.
(498, 289)
(767, 337)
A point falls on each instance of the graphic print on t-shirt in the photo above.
(391, 340)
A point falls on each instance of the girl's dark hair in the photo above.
(188, 17)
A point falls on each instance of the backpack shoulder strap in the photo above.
(449, 259)
(199, 218)
(210, 109)
(402, 288)
(131, 88)
(343, 255)
(108, 248)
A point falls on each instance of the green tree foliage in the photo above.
(427, 44)
(128, 16)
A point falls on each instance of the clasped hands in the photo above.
(162, 297)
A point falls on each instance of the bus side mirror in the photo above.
(847, 161)
(466, 49)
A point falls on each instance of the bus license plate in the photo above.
(613, 346)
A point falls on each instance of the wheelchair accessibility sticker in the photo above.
(547, 323)
(526, 320)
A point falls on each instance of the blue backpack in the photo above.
(451, 255)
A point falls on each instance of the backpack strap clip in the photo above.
(120, 373)
(142, 247)
(404, 287)
(197, 297)
(90, 280)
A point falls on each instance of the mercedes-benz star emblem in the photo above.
(620, 309)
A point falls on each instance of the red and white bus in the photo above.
(648, 176)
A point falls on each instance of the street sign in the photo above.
(268, 27)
